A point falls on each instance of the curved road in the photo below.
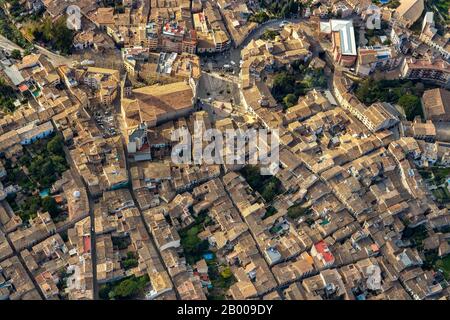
(235, 53)
(8, 45)
(259, 30)
(54, 58)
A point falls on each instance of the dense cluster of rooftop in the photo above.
(93, 206)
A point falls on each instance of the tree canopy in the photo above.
(7, 97)
(282, 8)
(127, 288)
(269, 34)
(297, 211)
(259, 17)
(15, 54)
(49, 204)
(268, 186)
(401, 92)
(56, 145)
(290, 100)
(411, 105)
(55, 34)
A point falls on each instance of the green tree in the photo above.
(9, 30)
(63, 36)
(49, 205)
(46, 169)
(15, 54)
(290, 100)
(192, 240)
(59, 163)
(126, 289)
(226, 273)
(30, 207)
(271, 190)
(44, 31)
(55, 145)
(364, 92)
(393, 4)
(412, 106)
(259, 17)
(297, 211)
(267, 186)
(130, 261)
(56, 34)
(7, 97)
(283, 84)
(269, 34)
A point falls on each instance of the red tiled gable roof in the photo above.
(322, 248)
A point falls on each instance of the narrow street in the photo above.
(54, 58)
(121, 129)
(22, 262)
(8, 45)
(234, 54)
(144, 222)
(90, 214)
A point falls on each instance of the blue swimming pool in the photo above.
(44, 193)
(208, 256)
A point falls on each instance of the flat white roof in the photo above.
(325, 27)
(14, 74)
(347, 35)
(429, 17)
